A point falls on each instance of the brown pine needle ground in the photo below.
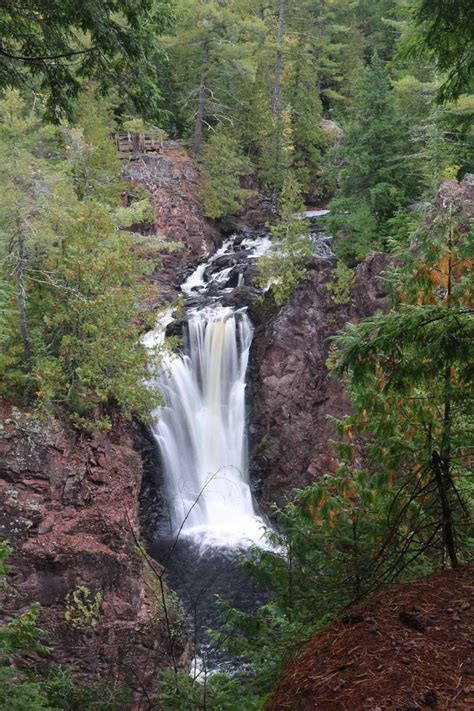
(407, 648)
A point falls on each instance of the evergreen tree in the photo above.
(302, 96)
(114, 42)
(92, 156)
(72, 273)
(374, 184)
(26, 179)
(283, 269)
(212, 45)
(411, 386)
(220, 191)
(446, 33)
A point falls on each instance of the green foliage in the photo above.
(212, 46)
(65, 692)
(276, 152)
(93, 159)
(398, 147)
(445, 34)
(19, 636)
(354, 228)
(114, 43)
(21, 633)
(18, 693)
(71, 334)
(169, 612)
(5, 551)
(50, 688)
(216, 692)
(337, 60)
(411, 387)
(341, 287)
(82, 608)
(373, 182)
(283, 269)
(57, 690)
(222, 168)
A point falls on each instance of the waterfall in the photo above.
(201, 432)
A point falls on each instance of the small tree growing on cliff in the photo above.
(73, 277)
(285, 266)
(25, 180)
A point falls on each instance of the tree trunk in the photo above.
(21, 302)
(197, 142)
(442, 476)
(441, 462)
(265, 67)
(278, 59)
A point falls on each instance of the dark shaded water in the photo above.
(198, 577)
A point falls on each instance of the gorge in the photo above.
(201, 431)
(236, 355)
(247, 395)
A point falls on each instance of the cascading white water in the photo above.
(202, 439)
(202, 435)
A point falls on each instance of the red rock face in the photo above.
(292, 390)
(172, 179)
(69, 506)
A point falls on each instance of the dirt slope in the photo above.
(405, 649)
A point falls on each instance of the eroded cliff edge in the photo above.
(69, 510)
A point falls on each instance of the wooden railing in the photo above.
(127, 142)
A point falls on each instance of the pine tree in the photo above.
(445, 28)
(373, 179)
(73, 276)
(54, 49)
(285, 267)
(213, 44)
(411, 385)
(26, 179)
(222, 168)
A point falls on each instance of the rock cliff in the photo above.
(69, 510)
(172, 179)
(292, 390)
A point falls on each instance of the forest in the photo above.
(236, 354)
